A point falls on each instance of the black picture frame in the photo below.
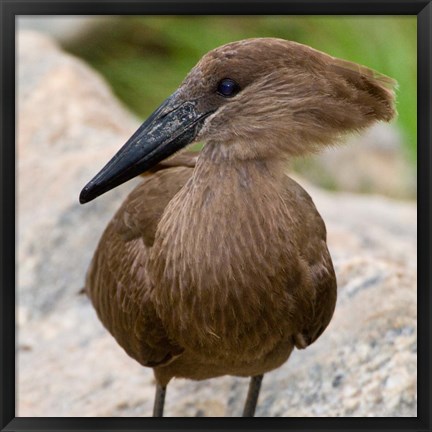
(12, 8)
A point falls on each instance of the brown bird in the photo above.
(218, 264)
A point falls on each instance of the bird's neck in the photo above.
(224, 190)
(230, 214)
(236, 177)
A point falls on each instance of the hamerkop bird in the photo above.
(219, 265)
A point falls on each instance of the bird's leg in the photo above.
(159, 401)
(252, 396)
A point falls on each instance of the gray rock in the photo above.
(63, 28)
(69, 124)
(68, 365)
(373, 162)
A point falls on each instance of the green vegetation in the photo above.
(146, 58)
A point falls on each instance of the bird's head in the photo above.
(256, 98)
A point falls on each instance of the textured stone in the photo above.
(373, 162)
(68, 365)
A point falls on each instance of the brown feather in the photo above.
(185, 159)
(211, 308)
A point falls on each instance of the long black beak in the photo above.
(172, 126)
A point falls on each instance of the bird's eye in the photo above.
(228, 87)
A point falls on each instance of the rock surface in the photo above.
(63, 28)
(372, 162)
(68, 365)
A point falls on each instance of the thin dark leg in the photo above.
(159, 401)
(252, 397)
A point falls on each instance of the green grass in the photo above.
(146, 58)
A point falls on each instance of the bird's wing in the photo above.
(311, 238)
(140, 213)
(117, 281)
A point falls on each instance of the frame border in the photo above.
(10, 8)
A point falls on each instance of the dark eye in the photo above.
(228, 87)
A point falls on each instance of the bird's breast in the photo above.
(220, 263)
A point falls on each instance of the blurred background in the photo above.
(144, 59)
(84, 84)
